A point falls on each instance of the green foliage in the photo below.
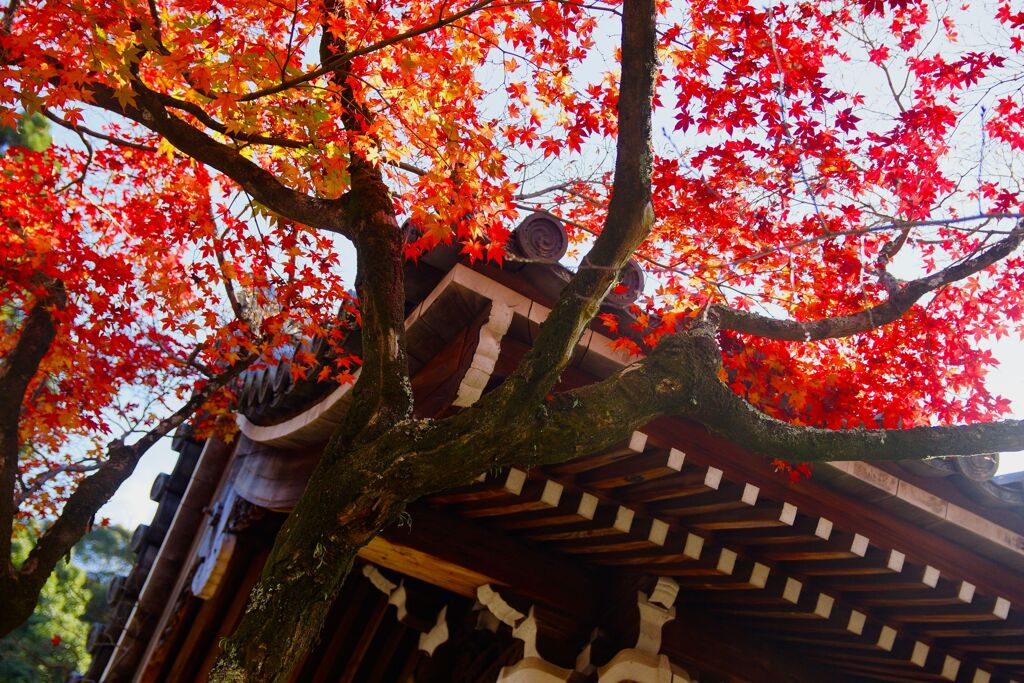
(103, 553)
(51, 644)
(33, 132)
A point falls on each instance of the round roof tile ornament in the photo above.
(95, 638)
(282, 377)
(930, 467)
(540, 237)
(244, 387)
(980, 467)
(139, 538)
(156, 491)
(410, 231)
(631, 284)
(116, 589)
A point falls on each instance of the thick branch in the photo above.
(44, 478)
(680, 377)
(8, 18)
(714, 404)
(630, 217)
(260, 183)
(17, 370)
(732, 417)
(22, 362)
(870, 318)
(96, 489)
(382, 396)
(213, 124)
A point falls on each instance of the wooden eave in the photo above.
(880, 573)
(858, 559)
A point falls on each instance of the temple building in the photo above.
(674, 557)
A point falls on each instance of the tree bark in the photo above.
(629, 221)
(16, 374)
(379, 461)
(20, 586)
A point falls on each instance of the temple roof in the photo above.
(897, 571)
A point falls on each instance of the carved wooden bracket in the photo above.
(217, 546)
(631, 286)
(634, 665)
(655, 611)
(437, 636)
(643, 661)
(532, 668)
(411, 609)
(487, 350)
(497, 606)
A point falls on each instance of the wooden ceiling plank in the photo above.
(945, 614)
(702, 499)
(768, 515)
(882, 566)
(637, 443)
(367, 633)
(714, 649)
(446, 551)
(658, 465)
(690, 481)
(809, 531)
(569, 509)
(840, 545)
(520, 494)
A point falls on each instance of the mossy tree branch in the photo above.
(876, 316)
(629, 221)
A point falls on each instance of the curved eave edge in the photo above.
(309, 428)
(313, 426)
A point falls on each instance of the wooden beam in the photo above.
(459, 556)
(847, 512)
(436, 384)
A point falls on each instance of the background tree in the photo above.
(772, 195)
(103, 553)
(50, 645)
(31, 132)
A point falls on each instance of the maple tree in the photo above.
(194, 229)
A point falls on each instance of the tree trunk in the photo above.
(312, 557)
(355, 494)
(18, 603)
(378, 461)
